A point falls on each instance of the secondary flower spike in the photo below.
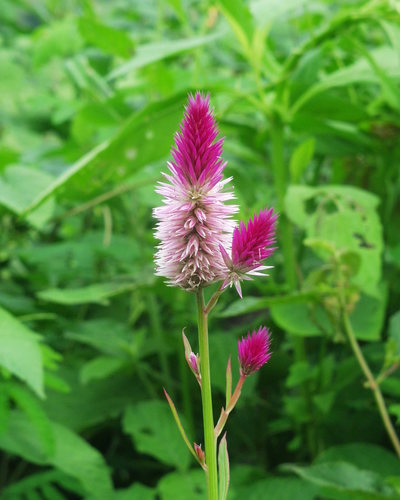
(251, 245)
(194, 220)
(253, 351)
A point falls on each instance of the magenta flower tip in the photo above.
(194, 220)
(251, 245)
(253, 351)
(252, 242)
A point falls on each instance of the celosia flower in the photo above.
(194, 220)
(253, 351)
(251, 244)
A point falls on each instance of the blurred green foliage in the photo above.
(307, 94)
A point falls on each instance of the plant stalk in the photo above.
(206, 398)
(372, 383)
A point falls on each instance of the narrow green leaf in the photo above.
(301, 157)
(97, 294)
(238, 15)
(223, 468)
(187, 346)
(228, 382)
(153, 52)
(180, 426)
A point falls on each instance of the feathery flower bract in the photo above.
(194, 220)
(253, 351)
(251, 245)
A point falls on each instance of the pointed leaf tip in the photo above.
(228, 381)
(180, 426)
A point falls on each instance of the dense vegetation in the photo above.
(307, 96)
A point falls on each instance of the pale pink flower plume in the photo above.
(194, 220)
(251, 245)
(253, 351)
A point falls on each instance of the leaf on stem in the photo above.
(228, 381)
(180, 426)
(186, 344)
(223, 466)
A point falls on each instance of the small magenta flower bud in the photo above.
(193, 360)
(200, 453)
(254, 351)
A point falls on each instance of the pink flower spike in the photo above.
(194, 220)
(253, 351)
(251, 245)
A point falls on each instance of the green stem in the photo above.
(206, 397)
(372, 383)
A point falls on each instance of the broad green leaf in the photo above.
(356, 73)
(72, 455)
(346, 217)
(253, 304)
(300, 159)
(20, 352)
(91, 404)
(97, 333)
(26, 402)
(154, 432)
(100, 367)
(106, 38)
(368, 317)
(303, 319)
(345, 478)
(58, 39)
(143, 139)
(39, 483)
(12, 79)
(135, 492)
(276, 488)
(153, 52)
(306, 319)
(366, 456)
(223, 468)
(92, 294)
(20, 185)
(182, 486)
